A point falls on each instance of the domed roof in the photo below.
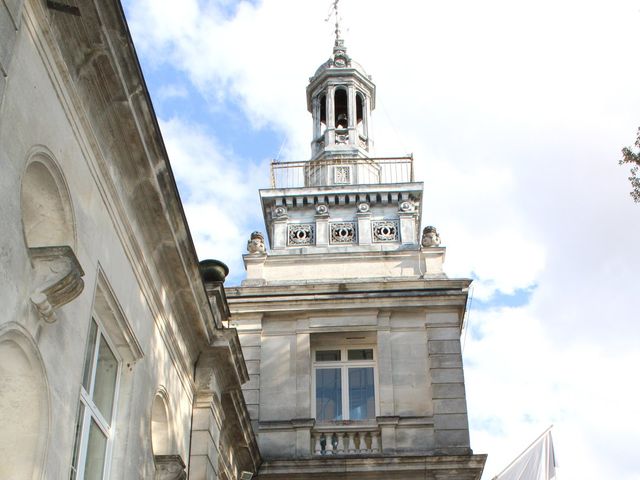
(340, 59)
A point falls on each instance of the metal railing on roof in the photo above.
(359, 171)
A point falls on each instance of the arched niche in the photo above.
(160, 426)
(47, 214)
(24, 407)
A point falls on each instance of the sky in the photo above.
(515, 112)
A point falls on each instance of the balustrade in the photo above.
(346, 442)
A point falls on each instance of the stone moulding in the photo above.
(58, 279)
(170, 467)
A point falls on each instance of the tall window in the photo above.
(344, 383)
(98, 394)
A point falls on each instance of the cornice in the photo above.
(129, 105)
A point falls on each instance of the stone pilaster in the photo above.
(364, 224)
(205, 437)
(408, 235)
(322, 230)
(388, 427)
(451, 425)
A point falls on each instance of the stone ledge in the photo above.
(458, 467)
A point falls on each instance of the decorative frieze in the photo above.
(406, 206)
(363, 207)
(343, 232)
(300, 234)
(385, 231)
(322, 209)
(280, 212)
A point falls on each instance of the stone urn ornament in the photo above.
(213, 270)
(430, 237)
(255, 245)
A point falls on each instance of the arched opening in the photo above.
(323, 114)
(24, 408)
(47, 216)
(360, 114)
(160, 431)
(341, 109)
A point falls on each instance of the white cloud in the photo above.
(516, 113)
(216, 186)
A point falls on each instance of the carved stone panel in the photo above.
(342, 175)
(385, 231)
(300, 234)
(343, 232)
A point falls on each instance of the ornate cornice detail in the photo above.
(58, 279)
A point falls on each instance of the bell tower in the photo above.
(340, 97)
(349, 325)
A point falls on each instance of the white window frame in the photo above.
(344, 364)
(91, 411)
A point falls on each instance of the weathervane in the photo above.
(340, 58)
(333, 10)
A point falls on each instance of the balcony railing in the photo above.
(341, 171)
(343, 440)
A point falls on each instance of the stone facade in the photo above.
(348, 323)
(114, 362)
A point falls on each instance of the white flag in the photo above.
(538, 462)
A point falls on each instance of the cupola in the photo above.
(340, 97)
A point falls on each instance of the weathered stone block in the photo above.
(452, 438)
(450, 405)
(443, 333)
(251, 353)
(444, 346)
(448, 390)
(445, 361)
(447, 375)
(457, 421)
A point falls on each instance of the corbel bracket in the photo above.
(57, 278)
(170, 467)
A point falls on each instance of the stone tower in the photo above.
(349, 327)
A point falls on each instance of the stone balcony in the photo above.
(336, 439)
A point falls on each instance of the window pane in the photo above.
(328, 356)
(76, 444)
(88, 356)
(361, 393)
(105, 383)
(328, 394)
(96, 451)
(362, 354)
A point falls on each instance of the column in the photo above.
(331, 114)
(351, 103)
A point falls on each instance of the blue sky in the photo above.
(516, 113)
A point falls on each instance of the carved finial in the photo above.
(255, 246)
(430, 237)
